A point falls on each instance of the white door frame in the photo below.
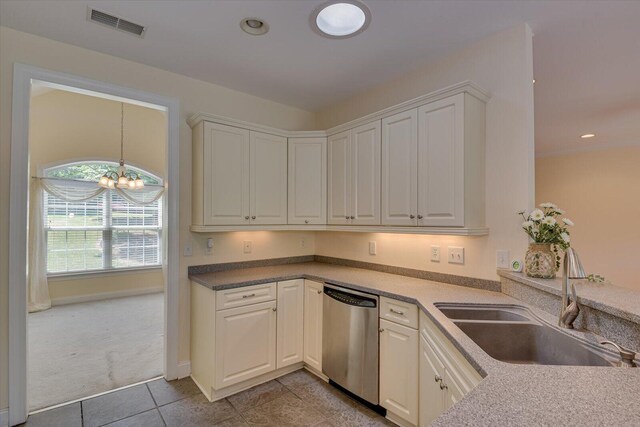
(23, 75)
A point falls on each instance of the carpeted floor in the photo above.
(78, 350)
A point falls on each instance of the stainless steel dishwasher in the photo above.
(350, 341)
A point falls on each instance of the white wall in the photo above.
(194, 96)
(501, 64)
(600, 192)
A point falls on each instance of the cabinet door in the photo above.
(399, 370)
(290, 322)
(268, 179)
(339, 178)
(431, 396)
(245, 343)
(441, 162)
(307, 181)
(313, 324)
(365, 174)
(453, 392)
(226, 175)
(400, 169)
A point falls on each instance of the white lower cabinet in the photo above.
(290, 322)
(445, 375)
(245, 343)
(399, 371)
(313, 324)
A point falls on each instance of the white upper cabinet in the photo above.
(354, 176)
(268, 179)
(400, 169)
(226, 174)
(339, 178)
(307, 181)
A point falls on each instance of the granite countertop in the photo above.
(509, 394)
(615, 300)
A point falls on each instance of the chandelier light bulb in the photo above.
(104, 181)
(111, 183)
(131, 183)
(139, 183)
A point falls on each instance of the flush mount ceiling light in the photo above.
(254, 26)
(340, 19)
(587, 135)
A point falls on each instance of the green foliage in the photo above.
(92, 171)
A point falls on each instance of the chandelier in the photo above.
(122, 179)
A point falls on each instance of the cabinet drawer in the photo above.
(239, 297)
(400, 312)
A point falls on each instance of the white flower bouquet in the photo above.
(544, 226)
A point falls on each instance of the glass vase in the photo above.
(540, 261)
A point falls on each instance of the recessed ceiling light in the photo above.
(254, 26)
(587, 135)
(340, 19)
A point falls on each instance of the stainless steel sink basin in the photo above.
(528, 343)
(513, 334)
(470, 313)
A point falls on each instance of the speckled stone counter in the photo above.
(513, 395)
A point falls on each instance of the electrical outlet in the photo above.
(435, 253)
(502, 259)
(188, 248)
(247, 246)
(209, 249)
(303, 243)
(372, 248)
(456, 255)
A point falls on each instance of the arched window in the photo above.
(104, 233)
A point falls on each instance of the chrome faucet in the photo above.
(572, 269)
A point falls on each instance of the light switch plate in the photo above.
(502, 259)
(456, 255)
(188, 248)
(247, 246)
(435, 253)
(208, 250)
(372, 248)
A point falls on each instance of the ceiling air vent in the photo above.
(115, 22)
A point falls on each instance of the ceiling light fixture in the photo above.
(340, 19)
(587, 135)
(254, 26)
(122, 179)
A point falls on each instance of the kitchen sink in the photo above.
(513, 334)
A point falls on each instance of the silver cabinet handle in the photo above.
(381, 330)
(275, 309)
(420, 217)
(246, 217)
(253, 217)
(353, 217)
(396, 312)
(346, 217)
(306, 221)
(248, 296)
(437, 378)
(443, 386)
(319, 292)
(412, 216)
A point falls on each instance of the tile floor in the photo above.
(296, 399)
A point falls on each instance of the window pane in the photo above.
(135, 248)
(125, 214)
(60, 214)
(74, 250)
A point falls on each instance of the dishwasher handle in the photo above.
(349, 298)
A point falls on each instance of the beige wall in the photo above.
(67, 126)
(501, 64)
(600, 192)
(194, 96)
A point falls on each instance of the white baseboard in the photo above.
(105, 295)
(184, 369)
(4, 418)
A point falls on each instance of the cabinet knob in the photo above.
(319, 292)
(381, 330)
(419, 216)
(275, 309)
(437, 378)
(253, 217)
(346, 217)
(412, 216)
(443, 386)
(246, 217)
(306, 221)
(353, 217)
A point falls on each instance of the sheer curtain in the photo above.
(68, 190)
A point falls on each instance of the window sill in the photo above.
(58, 277)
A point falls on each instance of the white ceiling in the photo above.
(586, 53)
